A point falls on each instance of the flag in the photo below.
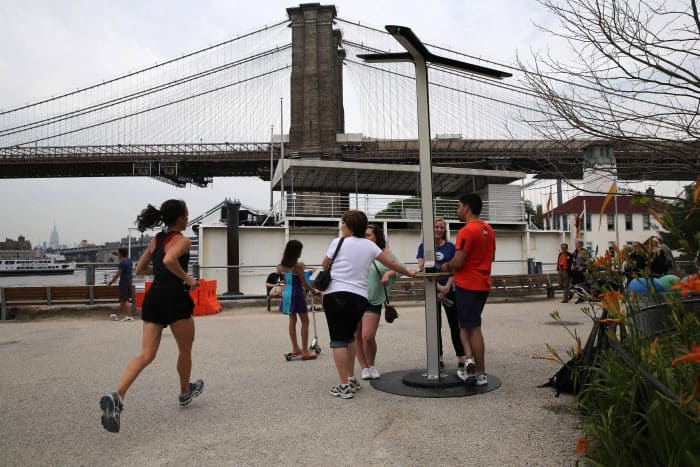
(549, 208)
(611, 194)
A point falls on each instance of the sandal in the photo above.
(309, 356)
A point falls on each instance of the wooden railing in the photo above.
(56, 295)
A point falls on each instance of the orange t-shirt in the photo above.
(478, 240)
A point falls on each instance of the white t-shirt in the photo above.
(351, 266)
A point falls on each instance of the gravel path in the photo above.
(258, 409)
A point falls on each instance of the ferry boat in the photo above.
(27, 267)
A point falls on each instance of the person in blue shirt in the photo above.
(124, 274)
(444, 251)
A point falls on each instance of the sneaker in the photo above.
(196, 389)
(366, 373)
(354, 384)
(114, 317)
(481, 379)
(111, 405)
(127, 318)
(468, 373)
(342, 390)
(460, 364)
(374, 373)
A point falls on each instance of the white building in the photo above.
(622, 222)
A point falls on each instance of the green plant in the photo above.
(639, 404)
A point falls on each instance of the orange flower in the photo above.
(693, 356)
(582, 444)
(602, 261)
(687, 286)
(610, 300)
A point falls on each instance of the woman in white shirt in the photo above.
(345, 299)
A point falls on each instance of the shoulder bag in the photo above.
(390, 313)
(323, 278)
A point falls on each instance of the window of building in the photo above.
(611, 222)
(646, 222)
(628, 221)
(588, 222)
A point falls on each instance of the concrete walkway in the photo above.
(258, 409)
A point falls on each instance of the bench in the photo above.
(55, 295)
(523, 284)
(501, 286)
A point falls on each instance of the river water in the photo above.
(102, 276)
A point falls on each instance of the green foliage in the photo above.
(445, 207)
(681, 218)
(627, 419)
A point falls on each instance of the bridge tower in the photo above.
(317, 113)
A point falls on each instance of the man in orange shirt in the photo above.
(564, 262)
(471, 265)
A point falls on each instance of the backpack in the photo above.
(573, 375)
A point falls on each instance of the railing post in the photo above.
(133, 297)
(91, 294)
(48, 295)
(3, 304)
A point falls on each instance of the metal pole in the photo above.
(426, 194)
(272, 140)
(283, 201)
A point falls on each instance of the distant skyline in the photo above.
(52, 47)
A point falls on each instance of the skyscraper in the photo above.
(53, 242)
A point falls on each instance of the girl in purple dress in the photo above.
(293, 301)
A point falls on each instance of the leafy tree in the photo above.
(396, 209)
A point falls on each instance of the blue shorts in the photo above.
(374, 309)
(470, 304)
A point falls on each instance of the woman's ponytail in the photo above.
(149, 218)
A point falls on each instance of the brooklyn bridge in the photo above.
(213, 113)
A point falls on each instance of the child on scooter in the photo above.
(293, 301)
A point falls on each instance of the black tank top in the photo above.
(162, 277)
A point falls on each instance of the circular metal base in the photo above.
(414, 383)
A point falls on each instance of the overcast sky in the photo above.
(49, 47)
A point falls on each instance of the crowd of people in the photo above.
(363, 270)
(651, 258)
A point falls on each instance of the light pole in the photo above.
(129, 240)
(420, 56)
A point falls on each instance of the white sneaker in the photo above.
(366, 373)
(481, 379)
(374, 373)
(114, 317)
(127, 318)
(468, 373)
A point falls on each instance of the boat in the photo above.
(28, 267)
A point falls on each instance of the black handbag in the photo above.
(390, 313)
(323, 278)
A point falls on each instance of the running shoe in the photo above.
(468, 373)
(114, 317)
(374, 373)
(366, 373)
(481, 379)
(341, 390)
(354, 384)
(196, 389)
(127, 318)
(111, 405)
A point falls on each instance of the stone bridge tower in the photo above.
(317, 113)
